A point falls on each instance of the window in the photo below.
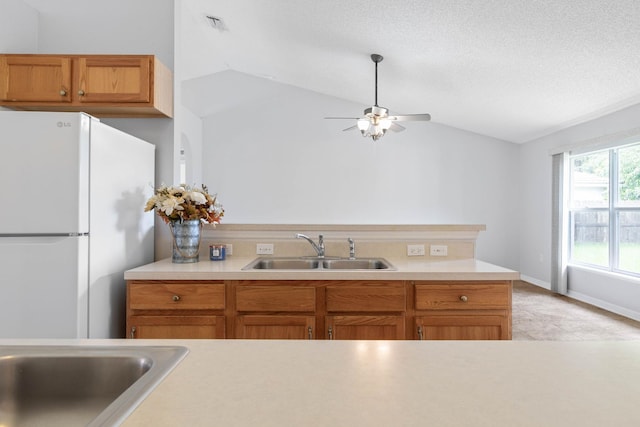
(604, 209)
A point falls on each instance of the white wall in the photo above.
(18, 27)
(608, 291)
(273, 159)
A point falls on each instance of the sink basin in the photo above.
(300, 263)
(356, 264)
(79, 385)
(283, 264)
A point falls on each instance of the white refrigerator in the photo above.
(71, 223)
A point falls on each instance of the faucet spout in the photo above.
(319, 248)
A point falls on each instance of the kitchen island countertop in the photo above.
(391, 383)
(405, 269)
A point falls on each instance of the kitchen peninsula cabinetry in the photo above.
(320, 309)
(101, 85)
(365, 310)
(462, 310)
(158, 309)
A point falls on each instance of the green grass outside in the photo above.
(598, 254)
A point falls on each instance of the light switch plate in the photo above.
(264, 249)
(438, 250)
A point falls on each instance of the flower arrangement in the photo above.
(182, 203)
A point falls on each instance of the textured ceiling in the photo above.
(515, 70)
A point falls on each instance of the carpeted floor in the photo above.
(539, 314)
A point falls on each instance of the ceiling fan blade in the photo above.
(412, 117)
(343, 118)
(350, 128)
(396, 127)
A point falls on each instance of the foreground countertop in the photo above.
(405, 269)
(392, 383)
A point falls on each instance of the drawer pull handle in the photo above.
(420, 336)
(310, 332)
(464, 298)
(330, 333)
(176, 298)
(133, 332)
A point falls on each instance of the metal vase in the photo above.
(186, 240)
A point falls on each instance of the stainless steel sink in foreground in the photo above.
(301, 263)
(79, 385)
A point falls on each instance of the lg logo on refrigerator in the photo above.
(64, 124)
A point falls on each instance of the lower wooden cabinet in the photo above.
(457, 310)
(354, 327)
(365, 310)
(350, 310)
(462, 326)
(176, 326)
(161, 309)
(275, 327)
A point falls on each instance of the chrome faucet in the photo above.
(352, 248)
(319, 248)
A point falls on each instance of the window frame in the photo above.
(614, 210)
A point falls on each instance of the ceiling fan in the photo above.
(376, 120)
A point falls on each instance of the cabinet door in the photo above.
(357, 327)
(463, 326)
(113, 79)
(179, 327)
(275, 327)
(35, 78)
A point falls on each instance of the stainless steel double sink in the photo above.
(303, 263)
(79, 385)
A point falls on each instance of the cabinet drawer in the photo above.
(270, 298)
(386, 297)
(462, 296)
(176, 296)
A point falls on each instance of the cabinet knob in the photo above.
(464, 298)
(80, 92)
(63, 92)
(176, 298)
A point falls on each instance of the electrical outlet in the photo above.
(264, 249)
(228, 249)
(438, 250)
(415, 250)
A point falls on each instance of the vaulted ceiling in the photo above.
(511, 69)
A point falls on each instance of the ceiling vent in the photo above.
(216, 22)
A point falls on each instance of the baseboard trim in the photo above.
(536, 282)
(632, 314)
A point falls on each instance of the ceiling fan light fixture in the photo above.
(376, 120)
(373, 128)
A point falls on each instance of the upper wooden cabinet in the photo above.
(101, 85)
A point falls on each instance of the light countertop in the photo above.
(393, 383)
(406, 269)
